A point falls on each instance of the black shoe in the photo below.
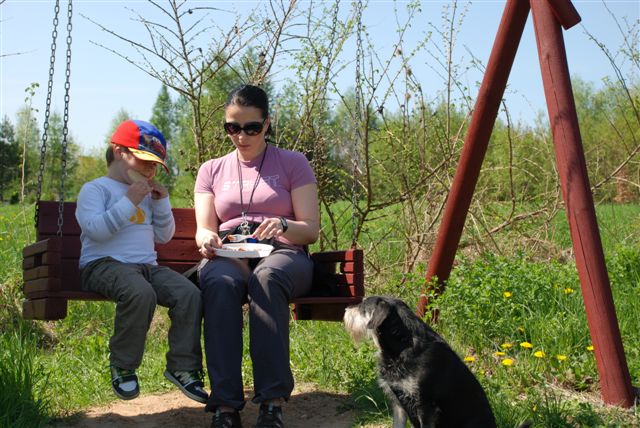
(190, 383)
(124, 383)
(270, 416)
(226, 420)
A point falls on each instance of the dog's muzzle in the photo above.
(355, 323)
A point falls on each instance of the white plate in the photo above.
(244, 250)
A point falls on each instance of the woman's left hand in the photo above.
(269, 228)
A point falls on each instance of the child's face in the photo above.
(129, 161)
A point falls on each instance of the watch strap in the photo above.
(284, 223)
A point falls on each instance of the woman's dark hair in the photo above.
(250, 96)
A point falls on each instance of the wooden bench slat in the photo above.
(41, 284)
(53, 244)
(66, 295)
(44, 309)
(350, 255)
(41, 272)
(324, 310)
(41, 259)
(48, 221)
(333, 299)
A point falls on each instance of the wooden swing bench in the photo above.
(51, 274)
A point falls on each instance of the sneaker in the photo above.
(190, 383)
(124, 383)
(226, 420)
(270, 416)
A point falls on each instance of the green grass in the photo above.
(55, 369)
(23, 402)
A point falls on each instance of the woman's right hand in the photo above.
(209, 243)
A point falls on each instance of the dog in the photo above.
(422, 376)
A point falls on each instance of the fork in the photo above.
(238, 237)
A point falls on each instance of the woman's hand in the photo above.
(269, 228)
(209, 243)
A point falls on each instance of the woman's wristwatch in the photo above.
(284, 223)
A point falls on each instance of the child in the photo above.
(121, 216)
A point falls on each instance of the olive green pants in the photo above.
(136, 289)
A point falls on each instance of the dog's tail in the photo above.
(526, 424)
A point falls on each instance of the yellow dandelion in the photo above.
(568, 290)
(590, 348)
(469, 359)
(507, 362)
(539, 354)
(561, 357)
(499, 354)
(507, 294)
(506, 346)
(526, 345)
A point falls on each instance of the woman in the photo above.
(271, 192)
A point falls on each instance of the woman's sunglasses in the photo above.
(251, 128)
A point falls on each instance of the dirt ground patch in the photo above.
(307, 408)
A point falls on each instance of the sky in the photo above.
(102, 83)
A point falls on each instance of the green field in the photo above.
(518, 320)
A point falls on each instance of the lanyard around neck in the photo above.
(244, 226)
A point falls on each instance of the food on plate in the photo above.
(233, 248)
(136, 177)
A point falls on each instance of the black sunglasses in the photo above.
(251, 128)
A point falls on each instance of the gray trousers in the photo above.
(227, 284)
(136, 289)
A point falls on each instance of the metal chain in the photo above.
(65, 120)
(357, 123)
(45, 125)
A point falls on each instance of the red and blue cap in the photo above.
(143, 140)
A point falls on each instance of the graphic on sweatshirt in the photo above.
(138, 217)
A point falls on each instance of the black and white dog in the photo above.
(422, 376)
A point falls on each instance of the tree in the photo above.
(173, 54)
(163, 117)
(54, 168)
(27, 139)
(9, 157)
(88, 168)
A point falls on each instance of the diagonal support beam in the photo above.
(476, 141)
(615, 382)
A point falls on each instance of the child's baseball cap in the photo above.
(143, 140)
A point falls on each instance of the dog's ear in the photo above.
(379, 315)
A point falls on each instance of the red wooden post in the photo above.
(484, 116)
(615, 381)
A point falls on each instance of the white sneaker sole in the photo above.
(124, 397)
(177, 383)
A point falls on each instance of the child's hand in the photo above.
(137, 191)
(158, 191)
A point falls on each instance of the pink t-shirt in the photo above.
(282, 171)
